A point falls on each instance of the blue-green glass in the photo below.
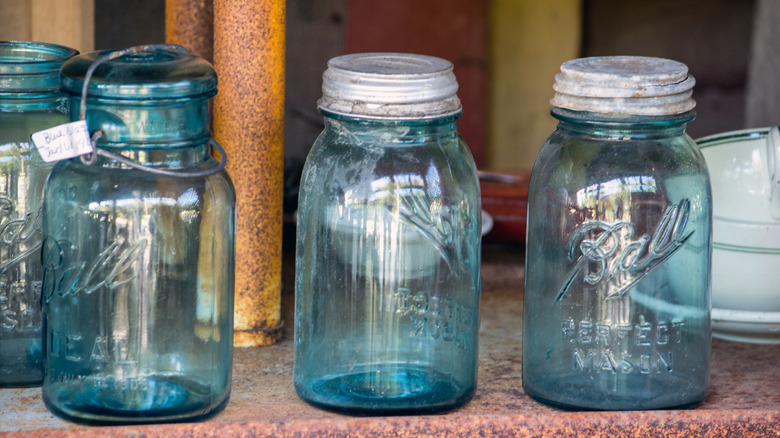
(387, 268)
(617, 283)
(138, 268)
(30, 101)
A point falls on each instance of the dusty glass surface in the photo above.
(138, 267)
(30, 101)
(387, 273)
(617, 289)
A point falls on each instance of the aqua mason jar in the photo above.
(139, 249)
(617, 284)
(30, 101)
(388, 242)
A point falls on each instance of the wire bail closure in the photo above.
(91, 159)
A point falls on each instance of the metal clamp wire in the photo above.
(91, 159)
(113, 55)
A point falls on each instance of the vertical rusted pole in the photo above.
(249, 43)
(190, 23)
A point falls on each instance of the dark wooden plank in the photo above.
(450, 29)
(763, 88)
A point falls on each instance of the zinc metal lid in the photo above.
(389, 86)
(635, 85)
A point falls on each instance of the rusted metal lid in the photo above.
(635, 85)
(389, 86)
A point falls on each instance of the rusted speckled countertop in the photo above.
(744, 398)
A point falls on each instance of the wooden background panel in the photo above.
(65, 22)
(315, 33)
(124, 23)
(529, 39)
(450, 29)
(16, 20)
(763, 85)
(712, 37)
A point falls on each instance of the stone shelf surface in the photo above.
(744, 397)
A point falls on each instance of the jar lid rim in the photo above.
(628, 84)
(390, 85)
(16, 56)
(149, 75)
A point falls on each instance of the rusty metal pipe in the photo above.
(190, 23)
(249, 44)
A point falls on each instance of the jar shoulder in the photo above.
(333, 154)
(70, 180)
(615, 158)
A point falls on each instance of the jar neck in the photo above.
(621, 126)
(146, 124)
(392, 132)
(175, 158)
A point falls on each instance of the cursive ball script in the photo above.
(607, 252)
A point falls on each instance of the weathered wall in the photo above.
(712, 37)
(451, 29)
(66, 22)
(526, 42)
(529, 40)
(763, 85)
(122, 23)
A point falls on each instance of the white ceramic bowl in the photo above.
(746, 234)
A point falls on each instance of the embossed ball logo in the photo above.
(608, 253)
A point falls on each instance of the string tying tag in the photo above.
(64, 141)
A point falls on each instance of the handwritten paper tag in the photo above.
(63, 141)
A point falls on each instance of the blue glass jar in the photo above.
(388, 245)
(617, 287)
(30, 101)
(138, 266)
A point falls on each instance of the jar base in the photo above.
(580, 393)
(20, 376)
(397, 391)
(162, 399)
(21, 361)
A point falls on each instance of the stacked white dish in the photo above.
(745, 172)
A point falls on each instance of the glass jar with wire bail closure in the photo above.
(138, 253)
(388, 245)
(617, 286)
(30, 100)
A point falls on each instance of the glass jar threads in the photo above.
(139, 257)
(30, 101)
(388, 245)
(617, 287)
